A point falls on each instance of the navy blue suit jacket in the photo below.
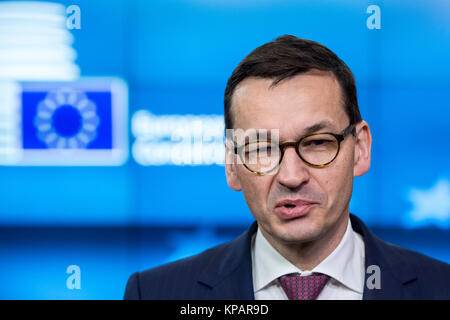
(225, 272)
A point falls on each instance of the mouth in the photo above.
(290, 209)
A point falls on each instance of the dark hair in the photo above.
(288, 56)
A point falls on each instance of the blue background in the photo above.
(176, 56)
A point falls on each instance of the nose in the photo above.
(292, 172)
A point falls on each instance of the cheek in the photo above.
(255, 190)
(337, 183)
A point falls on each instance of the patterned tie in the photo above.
(303, 287)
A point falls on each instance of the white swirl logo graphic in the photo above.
(66, 119)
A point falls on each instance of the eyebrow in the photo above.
(324, 124)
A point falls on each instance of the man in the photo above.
(304, 244)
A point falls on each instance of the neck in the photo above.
(307, 255)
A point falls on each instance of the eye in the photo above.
(257, 147)
(316, 142)
(265, 149)
(319, 142)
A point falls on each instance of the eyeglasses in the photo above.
(316, 150)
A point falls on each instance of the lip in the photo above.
(300, 208)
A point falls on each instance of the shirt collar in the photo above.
(345, 264)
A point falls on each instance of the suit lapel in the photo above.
(231, 276)
(396, 276)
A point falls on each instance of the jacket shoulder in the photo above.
(174, 280)
(432, 277)
(425, 265)
(407, 274)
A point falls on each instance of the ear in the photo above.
(363, 145)
(231, 167)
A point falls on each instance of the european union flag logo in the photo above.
(73, 123)
(66, 119)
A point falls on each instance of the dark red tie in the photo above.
(303, 287)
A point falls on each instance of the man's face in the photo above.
(292, 106)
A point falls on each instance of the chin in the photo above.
(300, 230)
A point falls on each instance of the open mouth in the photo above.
(293, 208)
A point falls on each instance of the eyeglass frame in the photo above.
(283, 146)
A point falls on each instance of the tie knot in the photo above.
(303, 287)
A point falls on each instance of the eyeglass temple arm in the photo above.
(349, 129)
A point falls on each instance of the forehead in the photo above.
(290, 106)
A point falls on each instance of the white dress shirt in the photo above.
(344, 266)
